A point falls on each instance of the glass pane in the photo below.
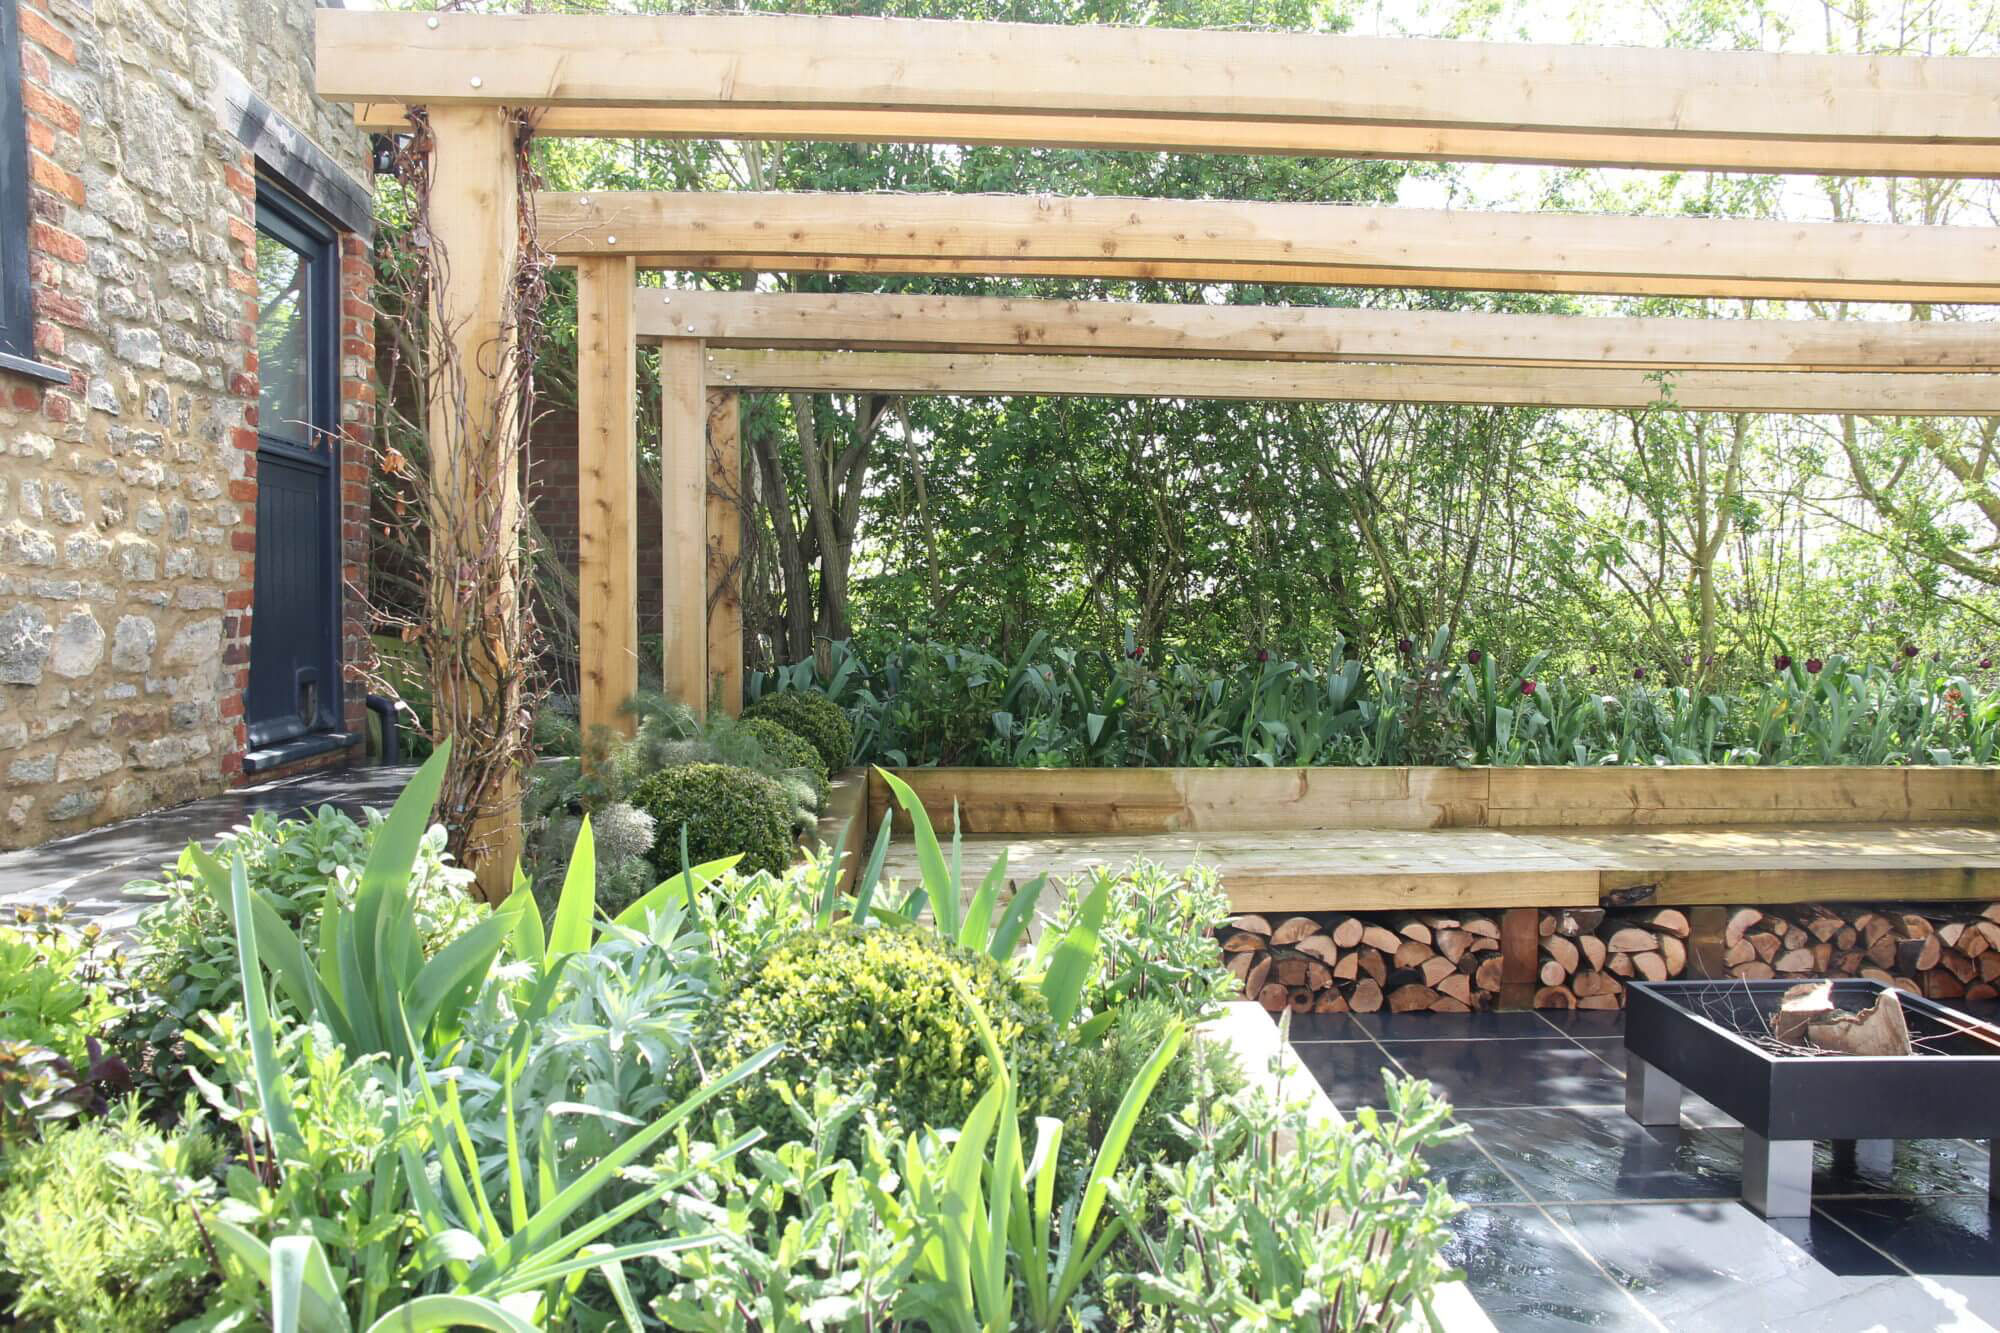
(284, 379)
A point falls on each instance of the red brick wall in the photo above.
(237, 602)
(357, 428)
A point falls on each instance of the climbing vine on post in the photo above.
(465, 306)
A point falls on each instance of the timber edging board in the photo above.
(1193, 800)
(846, 816)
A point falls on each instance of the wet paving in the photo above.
(90, 871)
(1579, 1217)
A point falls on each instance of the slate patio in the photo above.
(1580, 1218)
(89, 871)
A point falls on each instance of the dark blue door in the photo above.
(295, 620)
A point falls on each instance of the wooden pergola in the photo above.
(779, 77)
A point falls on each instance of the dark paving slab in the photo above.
(1529, 1278)
(1471, 1173)
(1580, 1218)
(1585, 1022)
(1448, 1027)
(1718, 1267)
(1349, 1071)
(1327, 1027)
(1579, 1155)
(90, 871)
(1923, 1168)
(1485, 1073)
(1953, 1242)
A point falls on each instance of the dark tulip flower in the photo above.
(1985, 664)
(1814, 666)
(1593, 668)
(1909, 650)
(1638, 673)
(1405, 647)
(1782, 662)
(1474, 658)
(1263, 654)
(1527, 687)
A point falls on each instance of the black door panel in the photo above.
(289, 693)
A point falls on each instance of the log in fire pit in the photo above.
(1722, 1040)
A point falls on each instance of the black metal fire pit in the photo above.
(1710, 1036)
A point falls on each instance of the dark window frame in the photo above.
(17, 303)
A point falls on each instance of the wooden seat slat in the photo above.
(1378, 869)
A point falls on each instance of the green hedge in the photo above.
(813, 716)
(791, 750)
(725, 810)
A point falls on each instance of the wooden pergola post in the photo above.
(474, 423)
(684, 522)
(607, 487)
(725, 548)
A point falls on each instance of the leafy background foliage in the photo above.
(1690, 545)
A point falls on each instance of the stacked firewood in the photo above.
(1331, 963)
(1931, 951)
(1588, 954)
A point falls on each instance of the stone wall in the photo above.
(128, 496)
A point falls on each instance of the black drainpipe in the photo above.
(384, 708)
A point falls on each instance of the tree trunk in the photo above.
(794, 632)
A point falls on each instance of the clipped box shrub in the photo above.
(791, 750)
(877, 1007)
(811, 715)
(725, 810)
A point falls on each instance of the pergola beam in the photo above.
(973, 324)
(1517, 386)
(1225, 241)
(1193, 90)
(1258, 137)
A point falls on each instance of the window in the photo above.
(17, 311)
(285, 328)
